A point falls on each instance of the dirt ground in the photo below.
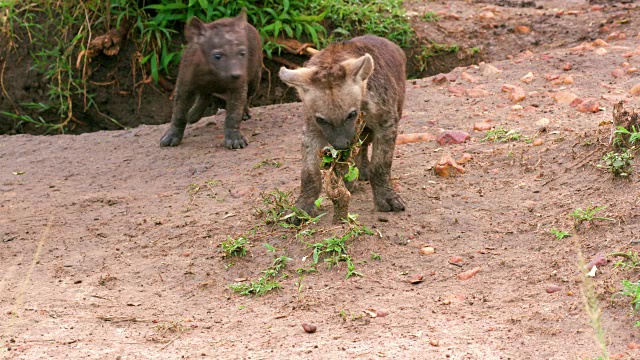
(107, 252)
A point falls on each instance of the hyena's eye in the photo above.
(243, 53)
(352, 115)
(217, 56)
(321, 121)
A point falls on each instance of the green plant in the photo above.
(266, 283)
(235, 247)
(630, 259)
(588, 215)
(331, 156)
(623, 137)
(618, 163)
(375, 256)
(270, 162)
(632, 290)
(333, 249)
(500, 134)
(279, 208)
(427, 52)
(430, 16)
(559, 234)
(379, 17)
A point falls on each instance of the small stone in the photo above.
(576, 102)
(416, 279)
(564, 97)
(568, 80)
(434, 342)
(466, 275)
(617, 73)
(487, 15)
(427, 250)
(527, 78)
(466, 77)
(482, 126)
(476, 92)
(567, 66)
(627, 54)
(597, 8)
(440, 78)
(552, 288)
(455, 259)
(489, 70)
(516, 93)
(465, 158)
(585, 46)
(537, 142)
(551, 77)
(456, 90)
(600, 42)
(446, 167)
(635, 90)
(516, 108)
(309, 328)
(589, 105)
(633, 345)
(381, 313)
(452, 137)
(632, 70)
(521, 29)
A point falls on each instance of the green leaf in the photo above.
(269, 247)
(318, 202)
(352, 174)
(154, 67)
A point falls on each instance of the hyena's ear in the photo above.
(243, 15)
(299, 78)
(359, 69)
(194, 29)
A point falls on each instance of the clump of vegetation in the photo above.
(618, 163)
(268, 162)
(588, 215)
(500, 134)
(559, 234)
(430, 16)
(60, 33)
(266, 283)
(334, 249)
(279, 208)
(434, 49)
(235, 247)
(631, 290)
(630, 259)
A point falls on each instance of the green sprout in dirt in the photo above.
(500, 134)
(630, 259)
(376, 256)
(559, 234)
(588, 215)
(334, 249)
(618, 163)
(269, 162)
(623, 137)
(266, 283)
(430, 16)
(632, 290)
(279, 209)
(235, 247)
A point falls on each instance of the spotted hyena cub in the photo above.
(365, 74)
(222, 60)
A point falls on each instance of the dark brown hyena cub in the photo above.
(223, 59)
(365, 74)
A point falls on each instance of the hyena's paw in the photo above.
(389, 202)
(172, 137)
(233, 139)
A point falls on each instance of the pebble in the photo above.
(527, 78)
(564, 97)
(552, 288)
(567, 66)
(635, 90)
(452, 137)
(427, 250)
(537, 142)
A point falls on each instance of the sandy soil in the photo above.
(107, 251)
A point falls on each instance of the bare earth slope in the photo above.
(107, 251)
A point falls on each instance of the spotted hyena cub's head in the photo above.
(224, 44)
(332, 94)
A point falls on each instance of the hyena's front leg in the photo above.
(233, 138)
(182, 103)
(384, 197)
(311, 178)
